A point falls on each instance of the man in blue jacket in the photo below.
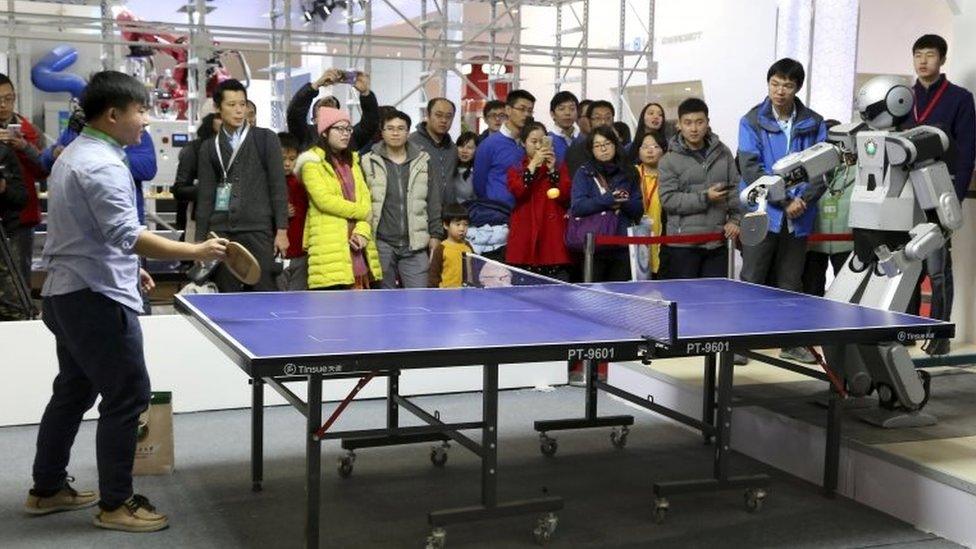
(949, 107)
(778, 126)
(496, 154)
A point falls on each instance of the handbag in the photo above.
(599, 224)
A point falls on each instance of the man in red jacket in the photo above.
(26, 143)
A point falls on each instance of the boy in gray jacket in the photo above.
(697, 188)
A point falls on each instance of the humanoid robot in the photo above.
(903, 208)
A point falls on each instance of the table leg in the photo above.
(313, 461)
(723, 440)
(708, 395)
(392, 408)
(489, 436)
(832, 451)
(257, 434)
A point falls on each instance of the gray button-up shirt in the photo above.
(92, 222)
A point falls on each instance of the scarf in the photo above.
(347, 183)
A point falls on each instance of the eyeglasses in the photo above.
(395, 129)
(8, 99)
(649, 148)
(602, 146)
(601, 118)
(498, 116)
(524, 110)
(342, 129)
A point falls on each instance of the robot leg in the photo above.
(848, 286)
(902, 391)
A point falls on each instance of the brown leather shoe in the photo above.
(135, 515)
(67, 499)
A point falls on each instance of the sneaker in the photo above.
(135, 515)
(66, 499)
(798, 354)
(740, 360)
(936, 347)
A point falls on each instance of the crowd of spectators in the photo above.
(386, 203)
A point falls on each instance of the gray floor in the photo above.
(951, 402)
(384, 504)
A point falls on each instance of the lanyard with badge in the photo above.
(222, 201)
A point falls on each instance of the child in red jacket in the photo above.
(537, 226)
(295, 276)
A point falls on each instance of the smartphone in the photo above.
(14, 129)
(349, 76)
(547, 142)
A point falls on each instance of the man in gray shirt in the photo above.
(432, 136)
(406, 216)
(91, 302)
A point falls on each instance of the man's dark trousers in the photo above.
(99, 347)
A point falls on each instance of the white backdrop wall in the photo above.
(726, 45)
(180, 359)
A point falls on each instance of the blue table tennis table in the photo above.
(315, 336)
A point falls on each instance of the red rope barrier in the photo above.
(701, 238)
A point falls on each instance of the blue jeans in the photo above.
(99, 347)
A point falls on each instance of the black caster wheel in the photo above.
(345, 465)
(438, 455)
(437, 539)
(545, 528)
(619, 438)
(754, 498)
(661, 508)
(547, 445)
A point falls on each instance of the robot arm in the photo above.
(791, 170)
(920, 150)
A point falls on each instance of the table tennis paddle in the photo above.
(241, 263)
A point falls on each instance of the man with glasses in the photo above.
(494, 157)
(494, 115)
(406, 207)
(599, 114)
(432, 136)
(242, 192)
(778, 126)
(563, 108)
(17, 133)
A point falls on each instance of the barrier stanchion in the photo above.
(730, 251)
(589, 248)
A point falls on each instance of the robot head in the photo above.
(884, 102)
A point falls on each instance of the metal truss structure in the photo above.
(440, 40)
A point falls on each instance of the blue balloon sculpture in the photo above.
(46, 75)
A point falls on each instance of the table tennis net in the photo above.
(644, 317)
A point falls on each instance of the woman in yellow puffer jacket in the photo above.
(338, 238)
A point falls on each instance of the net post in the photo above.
(589, 249)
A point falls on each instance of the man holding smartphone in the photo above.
(17, 133)
(698, 175)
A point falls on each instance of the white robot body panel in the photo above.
(882, 200)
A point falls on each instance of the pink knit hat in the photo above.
(326, 117)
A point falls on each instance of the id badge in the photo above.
(828, 206)
(222, 202)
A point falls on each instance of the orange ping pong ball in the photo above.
(553, 193)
